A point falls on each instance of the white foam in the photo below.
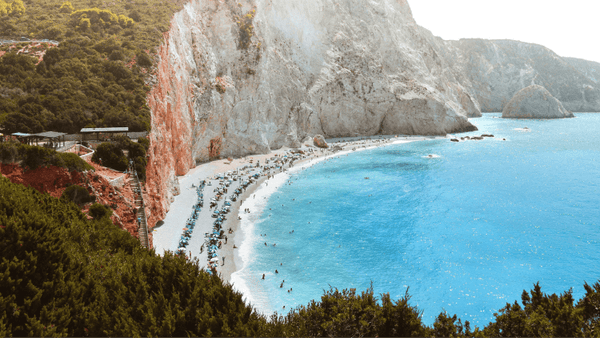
(241, 278)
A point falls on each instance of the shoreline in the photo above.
(166, 237)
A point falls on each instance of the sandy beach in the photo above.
(167, 236)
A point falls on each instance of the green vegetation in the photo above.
(15, 7)
(94, 78)
(64, 275)
(32, 157)
(246, 29)
(78, 195)
(99, 211)
(112, 154)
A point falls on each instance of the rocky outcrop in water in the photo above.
(535, 102)
(497, 69)
(243, 77)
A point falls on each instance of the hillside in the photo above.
(95, 77)
(590, 69)
(497, 69)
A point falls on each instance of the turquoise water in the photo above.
(467, 231)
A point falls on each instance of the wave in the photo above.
(243, 280)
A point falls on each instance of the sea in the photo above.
(464, 231)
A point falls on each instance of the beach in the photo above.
(272, 170)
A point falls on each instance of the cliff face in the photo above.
(237, 78)
(590, 69)
(497, 69)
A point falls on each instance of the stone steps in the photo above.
(141, 214)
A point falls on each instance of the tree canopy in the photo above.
(96, 77)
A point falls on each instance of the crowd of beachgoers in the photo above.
(208, 232)
(223, 190)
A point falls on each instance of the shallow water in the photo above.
(467, 230)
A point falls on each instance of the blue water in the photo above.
(467, 232)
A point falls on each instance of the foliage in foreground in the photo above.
(64, 275)
(33, 157)
(61, 274)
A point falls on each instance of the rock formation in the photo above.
(243, 77)
(247, 76)
(535, 102)
(495, 70)
(319, 141)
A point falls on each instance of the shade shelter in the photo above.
(102, 134)
(23, 137)
(55, 138)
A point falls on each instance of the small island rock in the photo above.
(535, 102)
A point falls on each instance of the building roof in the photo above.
(50, 134)
(21, 134)
(105, 130)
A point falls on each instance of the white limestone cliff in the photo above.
(497, 69)
(243, 77)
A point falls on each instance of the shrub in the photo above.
(145, 142)
(8, 152)
(143, 60)
(74, 163)
(99, 211)
(33, 157)
(77, 194)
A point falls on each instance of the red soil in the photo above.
(54, 180)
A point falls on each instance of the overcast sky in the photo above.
(568, 27)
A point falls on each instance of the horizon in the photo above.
(552, 24)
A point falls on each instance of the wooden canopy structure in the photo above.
(102, 134)
(53, 137)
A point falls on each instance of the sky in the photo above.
(568, 27)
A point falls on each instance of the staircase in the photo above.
(141, 213)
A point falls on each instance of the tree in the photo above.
(4, 8)
(17, 122)
(143, 60)
(17, 7)
(67, 7)
(110, 155)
